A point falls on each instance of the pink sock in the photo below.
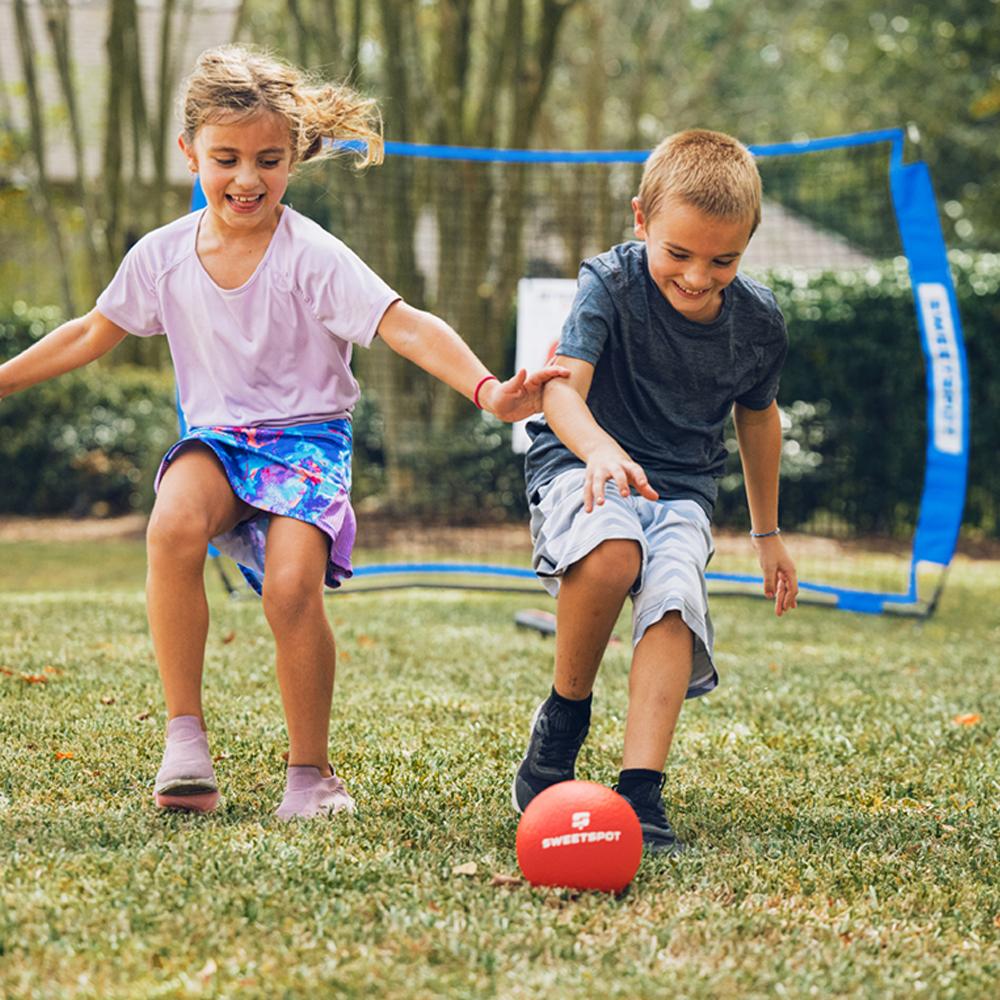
(308, 793)
(186, 779)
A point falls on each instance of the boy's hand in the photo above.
(521, 396)
(610, 462)
(780, 579)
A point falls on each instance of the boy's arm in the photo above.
(74, 344)
(433, 345)
(570, 418)
(759, 436)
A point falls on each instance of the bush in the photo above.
(853, 396)
(86, 443)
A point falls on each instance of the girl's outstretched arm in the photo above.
(431, 343)
(74, 344)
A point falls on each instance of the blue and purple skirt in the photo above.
(302, 472)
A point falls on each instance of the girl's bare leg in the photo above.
(194, 504)
(295, 568)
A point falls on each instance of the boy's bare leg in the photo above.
(194, 504)
(590, 599)
(658, 683)
(297, 554)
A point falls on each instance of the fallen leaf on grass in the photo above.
(5, 671)
(143, 716)
(228, 638)
(220, 756)
(107, 700)
(968, 719)
(51, 670)
(64, 755)
(505, 880)
(469, 868)
(996, 920)
(34, 679)
(366, 640)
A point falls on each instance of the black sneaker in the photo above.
(557, 733)
(658, 836)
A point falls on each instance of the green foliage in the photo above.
(854, 398)
(86, 443)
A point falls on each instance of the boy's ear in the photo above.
(188, 151)
(639, 227)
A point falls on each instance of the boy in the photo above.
(663, 340)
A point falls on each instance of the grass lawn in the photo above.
(839, 792)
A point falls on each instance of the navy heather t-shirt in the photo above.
(663, 385)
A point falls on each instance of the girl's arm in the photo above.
(570, 418)
(74, 344)
(759, 436)
(431, 343)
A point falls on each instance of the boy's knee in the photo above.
(614, 564)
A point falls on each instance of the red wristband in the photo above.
(480, 384)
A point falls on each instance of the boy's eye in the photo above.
(677, 256)
(270, 164)
(724, 263)
(225, 162)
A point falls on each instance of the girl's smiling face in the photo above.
(244, 169)
(691, 256)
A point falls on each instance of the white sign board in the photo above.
(542, 307)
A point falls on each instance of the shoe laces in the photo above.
(562, 734)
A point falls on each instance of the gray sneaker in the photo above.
(557, 733)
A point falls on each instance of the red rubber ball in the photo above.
(579, 835)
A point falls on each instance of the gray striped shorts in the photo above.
(675, 537)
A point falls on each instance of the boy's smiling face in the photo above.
(691, 256)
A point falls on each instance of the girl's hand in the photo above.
(780, 579)
(521, 396)
(610, 462)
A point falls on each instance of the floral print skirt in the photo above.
(302, 471)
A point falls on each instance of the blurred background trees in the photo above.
(87, 125)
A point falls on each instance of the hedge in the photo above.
(853, 395)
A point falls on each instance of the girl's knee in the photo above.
(614, 564)
(290, 594)
(178, 529)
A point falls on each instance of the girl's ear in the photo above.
(189, 152)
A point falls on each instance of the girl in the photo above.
(261, 308)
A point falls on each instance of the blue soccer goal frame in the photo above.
(946, 469)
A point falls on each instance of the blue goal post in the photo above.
(938, 326)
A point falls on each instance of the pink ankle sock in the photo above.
(186, 779)
(308, 793)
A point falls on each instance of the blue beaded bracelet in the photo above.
(765, 534)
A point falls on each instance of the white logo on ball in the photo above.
(581, 820)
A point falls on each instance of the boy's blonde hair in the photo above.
(710, 171)
(235, 83)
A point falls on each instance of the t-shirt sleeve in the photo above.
(347, 296)
(765, 388)
(130, 300)
(586, 329)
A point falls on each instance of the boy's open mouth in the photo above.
(689, 293)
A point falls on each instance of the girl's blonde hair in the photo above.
(710, 171)
(235, 83)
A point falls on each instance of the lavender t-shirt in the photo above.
(276, 350)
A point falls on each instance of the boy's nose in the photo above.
(696, 278)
